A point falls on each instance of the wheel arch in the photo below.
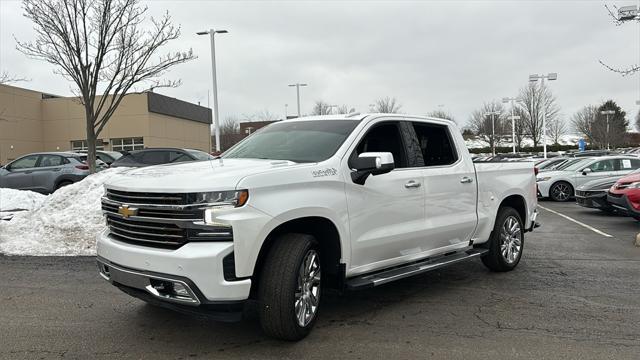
(517, 202)
(326, 234)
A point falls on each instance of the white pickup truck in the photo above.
(305, 205)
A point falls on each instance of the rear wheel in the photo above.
(561, 191)
(506, 243)
(63, 184)
(289, 287)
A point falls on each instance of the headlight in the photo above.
(220, 203)
(234, 198)
(634, 185)
(546, 178)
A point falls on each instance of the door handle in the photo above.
(466, 180)
(412, 184)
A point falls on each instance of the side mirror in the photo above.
(371, 163)
(586, 171)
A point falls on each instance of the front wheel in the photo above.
(506, 243)
(289, 287)
(561, 191)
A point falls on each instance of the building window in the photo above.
(127, 144)
(77, 145)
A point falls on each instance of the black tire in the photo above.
(561, 191)
(495, 259)
(63, 184)
(278, 286)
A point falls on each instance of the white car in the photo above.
(302, 205)
(560, 185)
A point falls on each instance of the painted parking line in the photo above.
(576, 221)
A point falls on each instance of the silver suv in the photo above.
(44, 172)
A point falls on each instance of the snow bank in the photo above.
(12, 200)
(63, 223)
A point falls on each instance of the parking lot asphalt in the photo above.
(575, 295)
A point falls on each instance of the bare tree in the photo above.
(441, 114)
(557, 127)
(6, 78)
(583, 121)
(387, 105)
(536, 100)
(321, 108)
(520, 127)
(263, 115)
(638, 121)
(229, 133)
(484, 126)
(631, 69)
(105, 49)
(344, 109)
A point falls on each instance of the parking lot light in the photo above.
(513, 120)
(216, 121)
(534, 78)
(493, 130)
(607, 113)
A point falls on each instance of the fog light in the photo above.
(180, 290)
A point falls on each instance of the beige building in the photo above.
(32, 121)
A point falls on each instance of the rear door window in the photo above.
(436, 144)
(155, 157)
(628, 164)
(176, 156)
(50, 160)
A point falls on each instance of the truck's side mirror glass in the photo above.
(371, 163)
(586, 171)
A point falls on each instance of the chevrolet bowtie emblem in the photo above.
(126, 211)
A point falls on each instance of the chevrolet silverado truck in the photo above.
(307, 205)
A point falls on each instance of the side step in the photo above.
(386, 276)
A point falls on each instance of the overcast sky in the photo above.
(425, 53)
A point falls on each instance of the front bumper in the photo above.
(594, 200)
(543, 188)
(154, 288)
(622, 203)
(197, 263)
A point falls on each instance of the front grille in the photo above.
(581, 193)
(160, 213)
(147, 198)
(146, 233)
(158, 220)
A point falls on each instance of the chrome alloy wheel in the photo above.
(510, 240)
(561, 192)
(307, 296)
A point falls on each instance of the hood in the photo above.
(599, 184)
(198, 176)
(629, 179)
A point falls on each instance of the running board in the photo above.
(386, 276)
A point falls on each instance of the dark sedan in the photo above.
(158, 156)
(594, 194)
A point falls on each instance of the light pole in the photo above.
(493, 130)
(607, 113)
(216, 121)
(285, 111)
(534, 78)
(513, 120)
(297, 85)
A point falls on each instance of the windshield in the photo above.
(200, 155)
(297, 141)
(573, 165)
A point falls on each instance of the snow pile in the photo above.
(64, 223)
(12, 201)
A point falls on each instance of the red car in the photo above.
(625, 195)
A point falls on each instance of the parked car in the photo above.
(309, 204)
(593, 194)
(624, 195)
(559, 184)
(43, 172)
(108, 157)
(158, 156)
